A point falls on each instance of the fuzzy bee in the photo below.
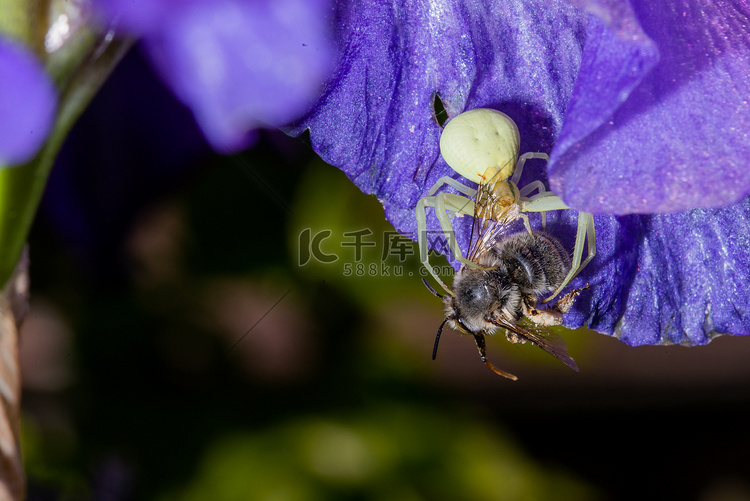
(510, 277)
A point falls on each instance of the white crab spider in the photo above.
(483, 145)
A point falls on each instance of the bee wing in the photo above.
(487, 230)
(549, 342)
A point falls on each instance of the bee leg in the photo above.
(479, 339)
(544, 317)
(564, 304)
(514, 338)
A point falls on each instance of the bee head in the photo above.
(453, 315)
(480, 295)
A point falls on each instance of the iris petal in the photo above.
(237, 65)
(620, 126)
(641, 105)
(27, 104)
(377, 120)
(670, 278)
(678, 139)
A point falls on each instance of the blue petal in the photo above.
(678, 278)
(377, 122)
(237, 65)
(27, 104)
(659, 117)
(141, 17)
(670, 278)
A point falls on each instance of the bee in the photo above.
(513, 273)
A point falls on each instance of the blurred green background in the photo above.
(184, 343)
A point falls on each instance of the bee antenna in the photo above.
(430, 288)
(437, 339)
(479, 339)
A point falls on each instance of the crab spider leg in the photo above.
(585, 230)
(444, 204)
(522, 160)
(448, 202)
(526, 222)
(462, 188)
(536, 185)
(543, 202)
(585, 234)
(421, 217)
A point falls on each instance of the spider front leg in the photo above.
(461, 188)
(446, 205)
(585, 234)
(542, 192)
(522, 160)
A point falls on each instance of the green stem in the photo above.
(21, 187)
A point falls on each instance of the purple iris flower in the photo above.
(238, 65)
(27, 104)
(642, 105)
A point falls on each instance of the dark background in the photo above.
(176, 348)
